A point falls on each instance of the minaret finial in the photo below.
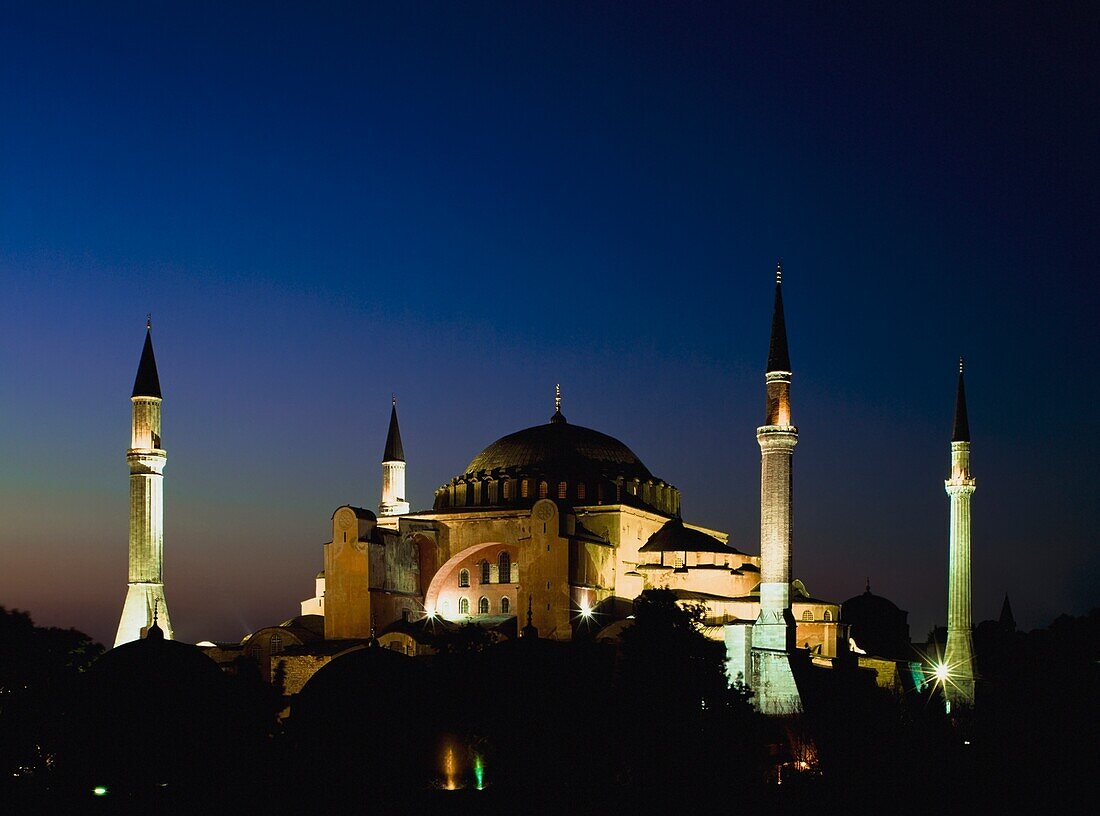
(393, 400)
(779, 272)
(148, 321)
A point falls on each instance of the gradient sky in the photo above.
(464, 203)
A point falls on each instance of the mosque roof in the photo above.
(675, 536)
(147, 381)
(561, 448)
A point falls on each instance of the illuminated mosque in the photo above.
(552, 532)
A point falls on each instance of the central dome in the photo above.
(558, 461)
(560, 448)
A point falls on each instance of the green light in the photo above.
(479, 771)
(99, 790)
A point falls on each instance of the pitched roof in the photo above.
(395, 451)
(147, 383)
(675, 536)
(779, 359)
(961, 430)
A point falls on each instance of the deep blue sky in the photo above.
(322, 204)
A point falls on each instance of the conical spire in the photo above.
(395, 451)
(147, 383)
(779, 358)
(1007, 619)
(961, 431)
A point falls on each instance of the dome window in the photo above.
(275, 645)
(525, 489)
(828, 615)
(507, 489)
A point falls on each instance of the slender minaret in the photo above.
(146, 456)
(959, 654)
(393, 471)
(773, 632)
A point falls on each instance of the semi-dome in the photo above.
(558, 461)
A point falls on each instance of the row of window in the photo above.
(504, 571)
(808, 615)
(484, 606)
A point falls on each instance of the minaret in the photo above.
(146, 456)
(393, 471)
(959, 654)
(773, 632)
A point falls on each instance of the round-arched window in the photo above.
(504, 568)
(483, 606)
(463, 577)
(807, 615)
(505, 606)
(464, 606)
(828, 614)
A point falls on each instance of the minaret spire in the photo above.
(771, 675)
(144, 609)
(393, 469)
(959, 653)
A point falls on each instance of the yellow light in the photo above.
(586, 611)
(942, 672)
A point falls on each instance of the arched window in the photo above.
(807, 615)
(483, 606)
(504, 568)
(464, 606)
(563, 489)
(484, 567)
(580, 490)
(524, 488)
(463, 577)
(507, 489)
(275, 645)
(406, 614)
(828, 614)
(544, 488)
(505, 606)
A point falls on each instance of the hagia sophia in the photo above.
(552, 532)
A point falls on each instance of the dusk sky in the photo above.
(466, 203)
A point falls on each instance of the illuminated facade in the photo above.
(959, 653)
(568, 522)
(146, 456)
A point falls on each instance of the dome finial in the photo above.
(558, 416)
(868, 585)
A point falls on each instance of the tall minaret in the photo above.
(393, 471)
(959, 656)
(145, 594)
(773, 632)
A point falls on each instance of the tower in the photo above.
(959, 654)
(393, 471)
(773, 632)
(146, 457)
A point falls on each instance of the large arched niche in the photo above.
(445, 593)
